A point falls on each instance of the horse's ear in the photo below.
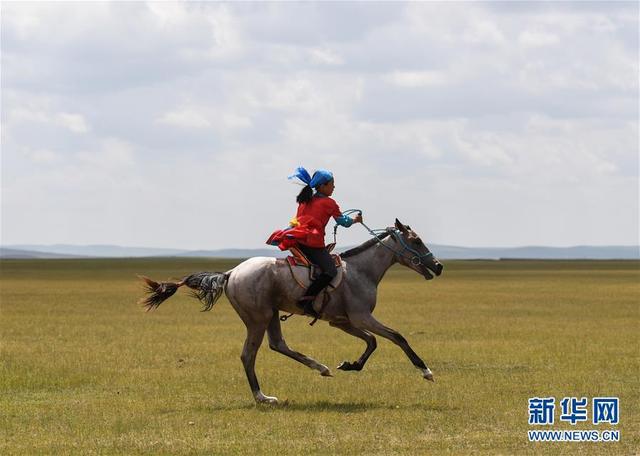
(400, 226)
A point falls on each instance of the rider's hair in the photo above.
(305, 194)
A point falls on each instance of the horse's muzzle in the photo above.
(434, 267)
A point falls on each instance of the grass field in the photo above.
(83, 370)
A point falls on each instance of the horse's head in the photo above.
(414, 254)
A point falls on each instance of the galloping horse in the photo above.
(260, 287)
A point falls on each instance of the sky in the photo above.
(176, 124)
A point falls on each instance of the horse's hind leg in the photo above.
(369, 323)
(360, 334)
(255, 334)
(277, 343)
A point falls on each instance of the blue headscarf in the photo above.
(321, 176)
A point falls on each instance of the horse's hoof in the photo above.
(427, 375)
(326, 372)
(347, 366)
(262, 399)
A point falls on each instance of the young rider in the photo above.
(307, 229)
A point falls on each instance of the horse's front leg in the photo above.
(255, 334)
(360, 334)
(369, 323)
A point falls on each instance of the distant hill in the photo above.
(441, 251)
(237, 253)
(17, 254)
(584, 252)
(98, 251)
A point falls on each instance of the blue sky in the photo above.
(176, 124)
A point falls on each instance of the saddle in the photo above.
(303, 271)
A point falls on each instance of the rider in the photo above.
(307, 229)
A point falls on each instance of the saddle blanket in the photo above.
(303, 274)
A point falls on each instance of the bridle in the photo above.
(416, 257)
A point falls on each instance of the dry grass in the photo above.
(83, 370)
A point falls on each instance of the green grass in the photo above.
(83, 370)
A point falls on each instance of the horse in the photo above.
(260, 287)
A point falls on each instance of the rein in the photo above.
(416, 258)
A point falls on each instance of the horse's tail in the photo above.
(207, 286)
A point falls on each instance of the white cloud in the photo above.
(73, 122)
(44, 156)
(483, 32)
(325, 56)
(418, 78)
(492, 115)
(484, 149)
(308, 94)
(23, 114)
(110, 154)
(534, 38)
(40, 156)
(231, 120)
(226, 38)
(205, 118)
(169, 14)
(185, 118)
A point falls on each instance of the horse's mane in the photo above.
(364, 246)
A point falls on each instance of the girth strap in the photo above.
(325, 300)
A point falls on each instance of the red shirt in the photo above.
(313, 217)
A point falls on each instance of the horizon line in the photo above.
(266, 246)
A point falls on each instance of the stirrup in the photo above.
(306, 304)
(286, 317)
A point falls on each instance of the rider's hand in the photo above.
(357, 218)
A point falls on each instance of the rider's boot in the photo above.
(306, 301)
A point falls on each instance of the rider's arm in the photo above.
(339, 217)
(346, 221)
